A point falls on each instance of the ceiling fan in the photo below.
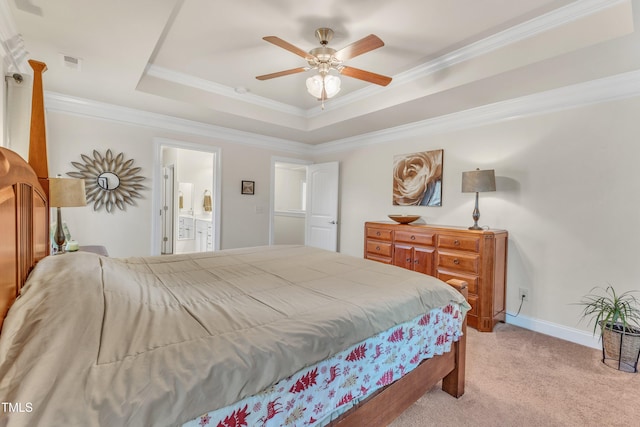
(324, 59)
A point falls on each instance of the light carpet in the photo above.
(516, 377)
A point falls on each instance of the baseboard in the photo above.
(552, 329)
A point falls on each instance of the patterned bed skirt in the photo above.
(318, 394)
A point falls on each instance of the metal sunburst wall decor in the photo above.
(110, 181)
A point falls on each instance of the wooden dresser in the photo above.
(478, 257)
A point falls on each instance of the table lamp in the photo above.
(475, 182)
(63, 193)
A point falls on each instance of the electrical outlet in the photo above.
(524, 294)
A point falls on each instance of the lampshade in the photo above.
(330, 83)
(66, 192)
(478, 181)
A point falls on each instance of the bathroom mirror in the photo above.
(186, 220)
(185, 198)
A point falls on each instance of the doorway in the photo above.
(304, 203)
(188, 198)
(289, 199)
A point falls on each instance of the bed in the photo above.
(238, 337)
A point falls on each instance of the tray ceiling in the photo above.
(198, 59)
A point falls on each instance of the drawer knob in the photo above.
(408, 259)
(377, 248)
(456, 261)
(413, 237)
(415, 261)
(377, 233)
(456, 242)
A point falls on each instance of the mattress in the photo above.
(99, 341)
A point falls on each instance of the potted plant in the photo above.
(618, 316)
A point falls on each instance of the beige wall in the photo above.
(568, 193)
(245, 219)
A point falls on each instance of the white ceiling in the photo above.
(197, 59)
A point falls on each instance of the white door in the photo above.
(322, 206)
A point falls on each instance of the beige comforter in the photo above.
(97, 341)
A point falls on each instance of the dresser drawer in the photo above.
(379, 248)
(461, 243)
(459, 261)
(412, 237)
(379, 233)
(471, 279)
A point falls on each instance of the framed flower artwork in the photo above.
(417, 179)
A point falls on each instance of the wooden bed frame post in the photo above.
(38, 157)
(38, 135)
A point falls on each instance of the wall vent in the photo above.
(71, 62)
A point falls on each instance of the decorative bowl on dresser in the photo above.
(478, 257)
(404, 219)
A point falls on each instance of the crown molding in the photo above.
(620, 86)
(99, 110)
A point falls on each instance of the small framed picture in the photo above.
(248, 187)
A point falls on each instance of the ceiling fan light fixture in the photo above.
(330, 83)
(324, 59)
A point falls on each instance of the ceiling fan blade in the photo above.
(282, 73)
(359, 47)
(288, 46)
(368, 76)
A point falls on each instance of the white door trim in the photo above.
(156, 224)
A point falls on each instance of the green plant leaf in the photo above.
(605, 308)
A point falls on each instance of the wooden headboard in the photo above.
(24, 207)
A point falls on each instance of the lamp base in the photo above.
(475, 216)
(59, 237)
